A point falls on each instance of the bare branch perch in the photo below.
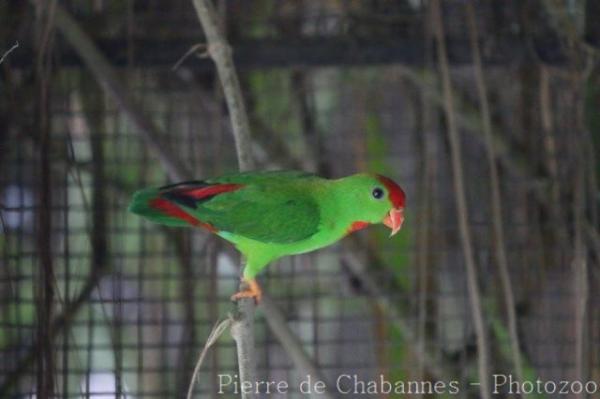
(242, 328)
(220, 52)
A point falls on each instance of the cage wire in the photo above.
(98, 303)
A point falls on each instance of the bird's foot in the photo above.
(253, 291)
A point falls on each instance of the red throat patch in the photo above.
(357, 226)
(395, 193)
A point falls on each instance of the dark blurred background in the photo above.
(97, 303)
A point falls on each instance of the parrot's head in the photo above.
(378, 199)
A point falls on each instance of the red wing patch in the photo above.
(190, 195)
(173, 210)
(210, 191)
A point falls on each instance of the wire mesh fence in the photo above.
(98, 303)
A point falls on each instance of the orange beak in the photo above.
(394, 220)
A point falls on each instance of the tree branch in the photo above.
(44, 289)
(242, 328)
(461, 205)
(497, 225)
(220, 52)
(7, 52)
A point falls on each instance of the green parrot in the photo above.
(267, 215)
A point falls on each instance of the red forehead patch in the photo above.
(396, 194)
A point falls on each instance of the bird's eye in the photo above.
(377, 193)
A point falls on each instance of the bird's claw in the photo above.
(253, 291)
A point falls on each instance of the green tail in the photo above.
(140, 205)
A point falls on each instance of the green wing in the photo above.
(274, 207)
(263, 212)
(258, 177)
